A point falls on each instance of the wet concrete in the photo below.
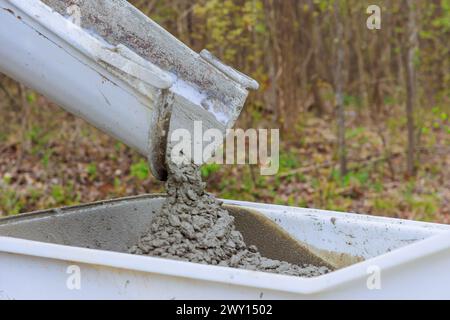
(194, 226)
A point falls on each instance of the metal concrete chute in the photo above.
(120, 71)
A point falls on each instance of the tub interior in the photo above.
(290, 234)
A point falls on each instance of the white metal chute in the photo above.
(33, 55)
(118, 79)
(119, 57)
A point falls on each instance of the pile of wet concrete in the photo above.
(194, 226)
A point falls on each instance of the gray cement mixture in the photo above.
(194, 226)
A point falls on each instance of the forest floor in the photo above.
(49, 158)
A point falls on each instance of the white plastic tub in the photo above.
(78, 253)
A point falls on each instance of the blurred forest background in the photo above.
(364, 113)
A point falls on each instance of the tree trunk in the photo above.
(342, 152)
(409, 55)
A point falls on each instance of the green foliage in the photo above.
(92, 171)
(209, 169)
(354, 132)
(46, 157)
(439, 120)
(350, 100)
(58, 194)
(40, 138)
(385, 206)
(359, 178)
(64, 195)
(140, 170)
(389, 100)
(7, 179)
(117, 182)
(235, 27)
(443, 21)
(424, 207)
(35, 134)
(378, 186)
(31, 97)
(288, 161)
(10, 201)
